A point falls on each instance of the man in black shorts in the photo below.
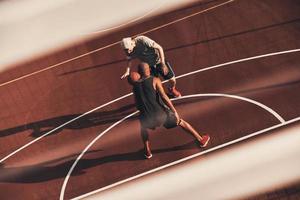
(149, 51)
(156, 108)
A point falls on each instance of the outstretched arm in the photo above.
(127, 69)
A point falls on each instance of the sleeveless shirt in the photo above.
(149, 103)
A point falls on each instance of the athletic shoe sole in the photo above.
(148, 157)
(205, 144)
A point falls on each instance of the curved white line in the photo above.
(190, 157)
(127, 95)
(87, 147)
(123, 119)
(275, 114)
(129, 22)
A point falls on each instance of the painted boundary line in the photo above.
(110, 45)
(240, 60)
(123, 119)
(186, 17)
(61, 126)
(86, 148)
(127, 95)
(275, 114)
(189, 158)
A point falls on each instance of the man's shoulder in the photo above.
(144, 40)
(141, 37)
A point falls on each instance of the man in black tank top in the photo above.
(156, 108)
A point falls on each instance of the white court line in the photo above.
(127, 95)
(61, 126)
(281, 120)
(186, 17)
(118, 122)
(83, 152)
(190, 157)
(112, 44)
(239, 61)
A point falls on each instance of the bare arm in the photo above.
(164, 96)
(161, 52)
(129, 63)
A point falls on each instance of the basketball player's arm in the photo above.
(161, 52)
(164, 96)
(162, 57)
(129, 64)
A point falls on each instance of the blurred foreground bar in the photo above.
(31, 28)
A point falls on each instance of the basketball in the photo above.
(133, 77)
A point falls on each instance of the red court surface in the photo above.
(245, 59)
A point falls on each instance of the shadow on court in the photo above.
(93, 119)
(50, 170)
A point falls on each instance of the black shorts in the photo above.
(171, 120)
(157, 70)
(153, 121)
(167, 119)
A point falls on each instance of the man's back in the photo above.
(148, 103)
(145, 51)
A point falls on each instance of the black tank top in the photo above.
(148, 102)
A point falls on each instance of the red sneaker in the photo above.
(204, 141)
(173, 92)
(148, 156)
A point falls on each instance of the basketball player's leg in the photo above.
(189, 129)
(145, 137)
(167, 73)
